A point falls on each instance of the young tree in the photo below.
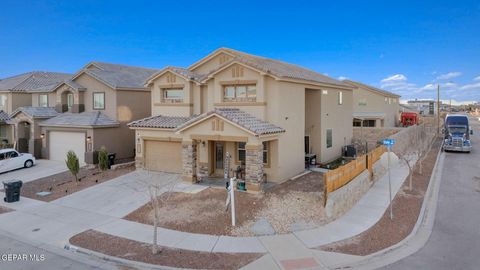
(155, 190)
(408, 152)
(103, 159)
(73, 164)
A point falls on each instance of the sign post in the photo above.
(388, 143)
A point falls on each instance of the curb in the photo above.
(420, 233)
(117, 260)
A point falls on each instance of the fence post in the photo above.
(325, 189)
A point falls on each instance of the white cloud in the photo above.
(476, 78)
(395, 78)
(472, 86)
(341, 78)
(450, 75)
(429, 86)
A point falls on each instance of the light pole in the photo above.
(438, 109)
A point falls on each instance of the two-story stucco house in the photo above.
(19, 93)
(92, 110)
(373, 107)
(266, 114)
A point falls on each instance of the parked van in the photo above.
(457, 133)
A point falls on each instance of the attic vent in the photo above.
(237, 71)
(171, 78)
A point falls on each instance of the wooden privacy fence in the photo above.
(335, 179)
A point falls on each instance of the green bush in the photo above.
(103, 159)
(73, 164)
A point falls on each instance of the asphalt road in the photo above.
(455, 239)
(38, 258)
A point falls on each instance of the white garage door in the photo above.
(62, 142)
(163, 156)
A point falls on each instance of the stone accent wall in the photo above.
(344, 198)
(189, 158)
(254, 163)
(202, 169)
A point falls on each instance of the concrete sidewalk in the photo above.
(94, 208)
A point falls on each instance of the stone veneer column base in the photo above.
(189, 159)
(254, 167)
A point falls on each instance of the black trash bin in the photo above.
(12, 190)
(111, 159)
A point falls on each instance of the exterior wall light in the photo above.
(89, 138)
(42, 135)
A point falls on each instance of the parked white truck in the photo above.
(457, 133)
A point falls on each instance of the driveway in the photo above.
(55, 222)
(42, 168)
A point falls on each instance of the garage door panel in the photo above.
(61, 142)
(163, 156)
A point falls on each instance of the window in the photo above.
(3, 100)
(307, 144)
(240, 93)
(386, 100)
(173, 95)
(394, 100)
(3, 131)
(42, 100)
(11, 154)
(389, 101)
(99, 101)
(340, 98)
(69, 101)
(241, 152)
(329, 138)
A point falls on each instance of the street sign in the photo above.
(388, 142)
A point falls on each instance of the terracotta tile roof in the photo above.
(90, 119)
(160, 121)
(35, 81)
(36, 112)
(119, 76)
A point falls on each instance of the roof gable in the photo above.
(372, 89)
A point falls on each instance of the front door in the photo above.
(219, 158)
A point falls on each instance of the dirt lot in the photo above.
(137, 251)
(5, 210)
(406, 208)
(63, 184)
(295, 202)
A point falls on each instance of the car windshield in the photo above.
(457, 130)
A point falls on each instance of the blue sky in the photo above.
(404, 46)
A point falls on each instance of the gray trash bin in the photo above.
(12, 190)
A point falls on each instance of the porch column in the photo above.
(189, 158)
(254, 166)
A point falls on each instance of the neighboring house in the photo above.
(24, 90)
(266, 114)
(93, 108)
(424, 106)
(374, 107)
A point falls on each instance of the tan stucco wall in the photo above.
(51, 99)
(15, 100)
(182, 109)
(337, 117)
(92, 85)
(375, 103)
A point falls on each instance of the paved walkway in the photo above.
(101, 208)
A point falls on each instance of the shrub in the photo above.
(103, 159)
(73, 164)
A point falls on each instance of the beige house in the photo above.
(266, 114)
(92, 110)
(23, 91)
(373, 107)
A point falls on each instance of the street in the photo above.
(40, 259)
(455, 239)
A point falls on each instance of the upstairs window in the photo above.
(99, 101)
(172, 95)
(3, 100)
(240, 93)
(42, 100)
(340, 98)
(386, 100)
